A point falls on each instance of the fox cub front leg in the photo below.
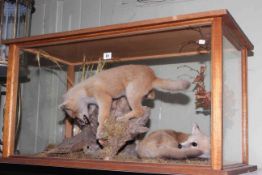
(104, 102)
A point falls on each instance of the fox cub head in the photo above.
(197, 140)
(79, 112)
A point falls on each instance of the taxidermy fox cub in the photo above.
(170, 144)
(133, 81)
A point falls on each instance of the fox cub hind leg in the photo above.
(134, 94)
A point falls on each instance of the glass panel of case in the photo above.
(40, 123)
(232, 104)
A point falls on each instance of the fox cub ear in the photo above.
(195, 129)
(63, 106)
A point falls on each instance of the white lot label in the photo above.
(107, 56)
(202, 42)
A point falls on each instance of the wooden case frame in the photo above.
(222, 24)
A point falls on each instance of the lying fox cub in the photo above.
(170, 144)
(133, 81)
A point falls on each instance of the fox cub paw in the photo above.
(124, 119)
(101, 134)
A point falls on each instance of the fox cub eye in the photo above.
(194, 144)
(179, 146)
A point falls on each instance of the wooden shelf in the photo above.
(160, 44)
(128, 166)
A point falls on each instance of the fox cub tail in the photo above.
(170, 85)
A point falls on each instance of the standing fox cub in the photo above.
(170, 144)
(133, 81)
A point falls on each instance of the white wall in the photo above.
(61, 15)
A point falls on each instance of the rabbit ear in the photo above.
(195, 129)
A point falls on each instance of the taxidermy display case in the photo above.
(88, 127)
